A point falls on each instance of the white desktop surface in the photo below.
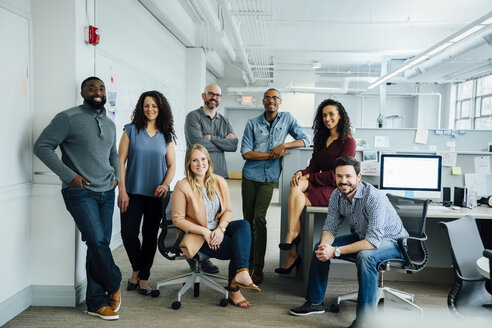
(436, 211)
(483, 267)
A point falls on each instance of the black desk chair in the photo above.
(168, 244)
(488, 254)
(469, 291)
(413, 213)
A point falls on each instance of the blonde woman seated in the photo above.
(201, 207)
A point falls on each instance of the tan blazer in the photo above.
(188, 208)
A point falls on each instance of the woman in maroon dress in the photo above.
(314, 185)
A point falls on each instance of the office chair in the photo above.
(168, 244)
(413, 213)
(469, 291)
(488, 254)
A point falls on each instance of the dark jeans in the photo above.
(256, 199)
(235, 247)
(141, 255)
(367, 272)
(93, 214)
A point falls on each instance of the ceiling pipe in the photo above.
(213, 20)
(237, 38)
(310, 90)
(454, 52)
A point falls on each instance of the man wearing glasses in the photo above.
(263, 147)
(212, 130)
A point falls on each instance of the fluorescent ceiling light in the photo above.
(467, 33)
(439, 49)
(487, 21)
(462, 34)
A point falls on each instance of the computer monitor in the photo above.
(416, 176)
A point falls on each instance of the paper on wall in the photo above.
(421, 136)
(482, 164)
(381, 142)
(369, 168)
(456, 170)
(451, 144)
(476, 182)
(448, 158)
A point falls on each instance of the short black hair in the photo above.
(82, 85)
(272, 89)
(347, 160)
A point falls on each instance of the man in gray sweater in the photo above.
(89, 171)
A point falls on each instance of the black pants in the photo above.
(141, 255)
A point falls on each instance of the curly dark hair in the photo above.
(321, 132)
(164, 122)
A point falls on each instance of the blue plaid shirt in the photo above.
(259, 136)
(370, 215)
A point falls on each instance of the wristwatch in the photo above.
(337, 252)
(222, 228)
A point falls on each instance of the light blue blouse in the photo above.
(146, 166)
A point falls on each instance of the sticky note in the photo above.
(409, 194)
(456, 170)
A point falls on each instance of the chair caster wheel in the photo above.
(155, 293)
(223, 302)
(196, 289)
(335, 308)
(176, 305)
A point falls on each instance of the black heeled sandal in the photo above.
(287, 246)
(131, 286)
(296, 263)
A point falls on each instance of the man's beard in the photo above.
(96, 104)
(351, 190)
(207, 103)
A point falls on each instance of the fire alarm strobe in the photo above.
(92, 35)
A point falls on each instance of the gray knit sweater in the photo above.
(87, 140)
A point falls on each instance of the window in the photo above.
(474, 104)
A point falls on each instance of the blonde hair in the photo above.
(210, 180)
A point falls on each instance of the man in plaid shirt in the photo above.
(376, 228)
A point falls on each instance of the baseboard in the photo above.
(14, 305)
(45, 295)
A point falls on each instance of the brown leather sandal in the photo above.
(251, 286)
(240, 303)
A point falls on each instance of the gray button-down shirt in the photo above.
(198, 124)
(370, 215)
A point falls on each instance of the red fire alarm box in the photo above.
(92, 35)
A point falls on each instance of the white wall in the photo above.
(39, 243)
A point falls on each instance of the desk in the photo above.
(483, 267)
(433, 212)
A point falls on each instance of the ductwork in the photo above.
(226, 6)
(454, 52)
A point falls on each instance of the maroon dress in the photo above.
(321, 170)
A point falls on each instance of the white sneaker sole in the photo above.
(305, 314)
(104, 317)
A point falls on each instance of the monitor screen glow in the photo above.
(411, 172)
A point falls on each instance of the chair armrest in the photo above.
(402, 243)
(487, 253)
(469, 279)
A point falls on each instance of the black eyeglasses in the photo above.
(214, 95)
(267, 98)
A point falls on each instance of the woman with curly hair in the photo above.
(314, 185)
(147, 148)
(201, 207)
